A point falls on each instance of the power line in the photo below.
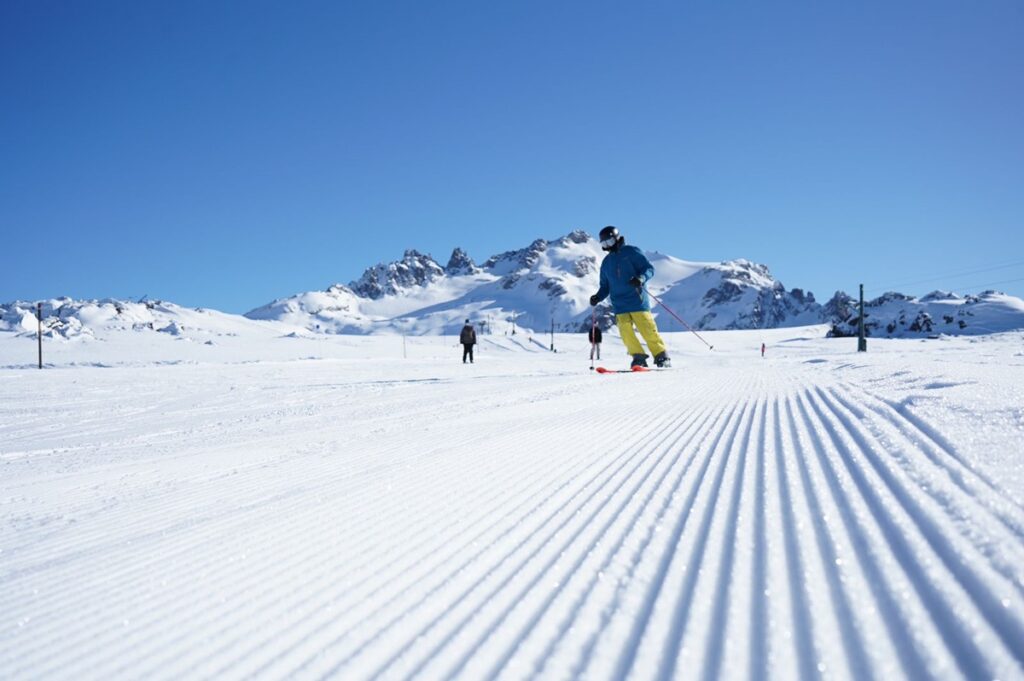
(949, 275)
(992, 283)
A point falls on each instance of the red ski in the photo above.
(602, 370)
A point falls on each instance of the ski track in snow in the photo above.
(721, 520)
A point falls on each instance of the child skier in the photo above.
(624, 271)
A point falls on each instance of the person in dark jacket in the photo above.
(594, 336)
(624, 271)
(468, 340)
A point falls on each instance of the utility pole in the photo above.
(862, 341)
(39, 331)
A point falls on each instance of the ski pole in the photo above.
(681, 320)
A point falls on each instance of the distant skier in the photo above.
(468, 340)
(594, 336)
(762, 349)
(624, 271)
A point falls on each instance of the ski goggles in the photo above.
(609, 242)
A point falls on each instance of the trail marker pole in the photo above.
(862, 341)
(39, 331)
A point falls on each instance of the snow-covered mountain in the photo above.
(550, 282)
(738, 294)
(85, 320)
(895, 315)
(545, 283)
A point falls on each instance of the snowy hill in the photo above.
(546, 282)
(895, 315)
(87, 320)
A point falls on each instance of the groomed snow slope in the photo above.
(817, 513)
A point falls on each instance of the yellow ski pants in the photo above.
(648, 329)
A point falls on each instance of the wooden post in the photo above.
(39, 331)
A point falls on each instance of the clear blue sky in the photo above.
(224, 154)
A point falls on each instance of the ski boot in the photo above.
(662, 361)
(639, 361)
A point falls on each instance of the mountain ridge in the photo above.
(543, 286)
(546, 285)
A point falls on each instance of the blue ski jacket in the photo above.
(617, 268)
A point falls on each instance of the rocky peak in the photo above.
(939, 295)
(746, 272)
(839, 308)
(800, 297)
(576, 236)
(338, 289)
(414, 269)
(460, 263)
(523, 258)
(532, 254)
(889, 297)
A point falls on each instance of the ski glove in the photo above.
(594, 300)
(636, 282)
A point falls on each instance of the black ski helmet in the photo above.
(610, 238)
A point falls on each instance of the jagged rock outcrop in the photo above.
(460, 263)
(522, 258)
(386, 279)
(898, 315)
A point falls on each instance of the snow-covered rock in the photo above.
(739, 294)
(896, 315)
(414, 269)
(460, 263)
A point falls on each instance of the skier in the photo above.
(594, 336)
(468, 340)
(762, 350)
(624, 271)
